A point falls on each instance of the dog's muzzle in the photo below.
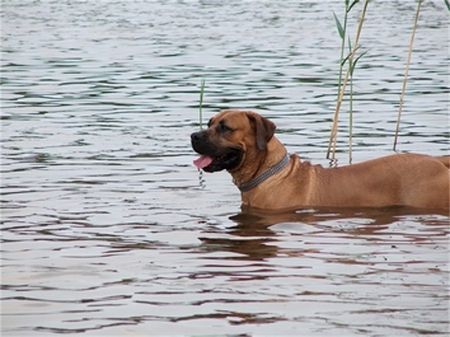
(214, 158)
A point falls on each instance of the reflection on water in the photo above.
(106, 229)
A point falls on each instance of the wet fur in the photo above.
(414, 180)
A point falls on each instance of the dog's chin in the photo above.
(229, 160)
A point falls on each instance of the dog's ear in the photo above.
(264, 129)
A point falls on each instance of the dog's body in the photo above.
(243, 143)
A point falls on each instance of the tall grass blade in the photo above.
(200, 106)
(341, 65)
(355, 61)
(346, 59)
(350, 55)
(351, 6)
(339, 27)
(350, 126)
(405, 78)
(448, 4)
(331, 152)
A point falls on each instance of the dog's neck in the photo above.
(274, 153)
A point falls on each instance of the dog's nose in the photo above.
(196, 136)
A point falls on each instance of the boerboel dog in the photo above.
(243, 143)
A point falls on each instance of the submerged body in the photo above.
(397, 180)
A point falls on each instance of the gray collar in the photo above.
(271, 171)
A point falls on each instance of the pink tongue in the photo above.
(202, 162)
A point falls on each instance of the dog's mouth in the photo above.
(203, 161)
(229, 160)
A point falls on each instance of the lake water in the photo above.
(107, 228)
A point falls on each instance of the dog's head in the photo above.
(231, 136)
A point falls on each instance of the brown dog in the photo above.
(243, 143)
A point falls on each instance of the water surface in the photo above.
(106, 228)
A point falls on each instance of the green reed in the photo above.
(351, 68)
(342, 81)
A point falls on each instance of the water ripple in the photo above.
(107, 228)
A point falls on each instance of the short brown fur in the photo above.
(397, 180)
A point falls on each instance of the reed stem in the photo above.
(405, 78)
(333, 135)
(341, 65)
(350, 126)
(200, 106)
(342, 34)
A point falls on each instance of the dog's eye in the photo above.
(224, 128)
